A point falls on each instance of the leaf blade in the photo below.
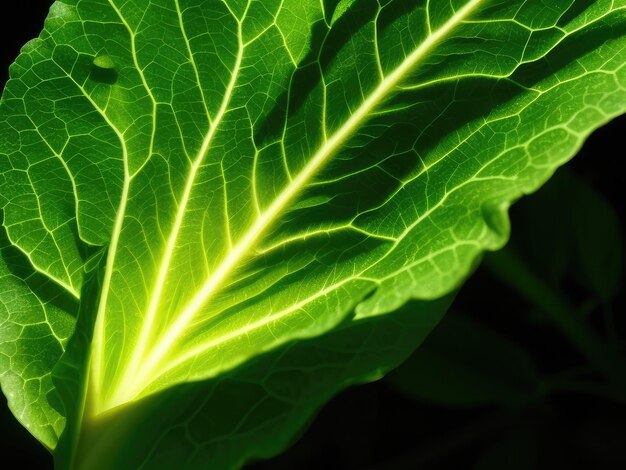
(399, 184)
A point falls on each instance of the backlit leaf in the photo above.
(260, 172)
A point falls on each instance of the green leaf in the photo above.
(37, 320)
(262, 172)
(464, 364)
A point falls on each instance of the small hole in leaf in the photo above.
(103, 69)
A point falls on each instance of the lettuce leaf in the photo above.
(215, 184)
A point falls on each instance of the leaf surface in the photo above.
(37, 320)
(261, 172)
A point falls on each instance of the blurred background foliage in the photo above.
(526, 372)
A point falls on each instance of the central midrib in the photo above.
(138, 381)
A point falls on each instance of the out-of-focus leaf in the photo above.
(463, 363)
(511, 269)
(543, 229)
(569, 230)
(598, 237)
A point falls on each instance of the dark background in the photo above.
(379, 427)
